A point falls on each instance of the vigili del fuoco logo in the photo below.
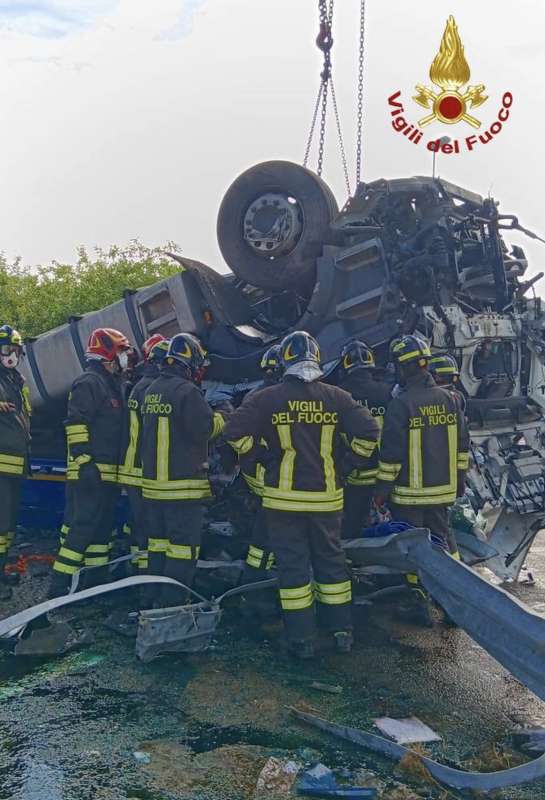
(452, 101)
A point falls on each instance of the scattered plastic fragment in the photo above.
(406, 731)
(320, 782)
(277, 777)
(326, 687)
(141, 757)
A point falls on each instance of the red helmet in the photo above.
(150, 343)
(106, 344)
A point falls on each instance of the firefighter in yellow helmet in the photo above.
(302, 422)
(14, 442)
(177, 426)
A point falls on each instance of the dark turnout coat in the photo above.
(306, 428)
(424, 445)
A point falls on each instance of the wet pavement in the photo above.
(69, 726)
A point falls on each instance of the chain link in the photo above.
(340, 135)
(359, 125)
(313, 125)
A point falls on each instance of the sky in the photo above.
(129, 119)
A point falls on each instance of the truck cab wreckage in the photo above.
(402, 256)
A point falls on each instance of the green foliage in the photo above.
(36, 299)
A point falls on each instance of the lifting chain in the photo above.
(359, 126)
(324, 42)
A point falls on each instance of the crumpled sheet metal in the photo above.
(455, 778)
(505, 627)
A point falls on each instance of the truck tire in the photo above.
(271, 225)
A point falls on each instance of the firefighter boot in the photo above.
(343, 642)
(419, 609)
(59, 585)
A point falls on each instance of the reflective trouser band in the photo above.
(142, 561)
(73, 558)
(259, 559)
(333, 594)
(186, 552)
(297, 599)
(96, 555)
(463, 461)
(10, 469)
(157, 545)
(3, 543)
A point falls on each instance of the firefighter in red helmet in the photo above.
(94, 427)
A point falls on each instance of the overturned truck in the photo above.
(403, 255)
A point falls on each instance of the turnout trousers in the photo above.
(86, 542)
(260, 558)
(311, 567)
(174, 542)
(10, 495)
(138, 526)
(357, 506)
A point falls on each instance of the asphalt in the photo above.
(69, 726)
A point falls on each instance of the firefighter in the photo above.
(302, 421)
(357, 378)
(177, 425)
(14, 443)
(94, 429)
(154, 351)
(424, 447)
(260, 558)
(445, 372)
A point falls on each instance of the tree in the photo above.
(36, 299)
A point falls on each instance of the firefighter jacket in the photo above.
(130, 467)
(14, 425)
(94, 423)
(424, 445)
(375, 396)
(177, 424)
(302, 425)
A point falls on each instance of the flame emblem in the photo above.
(450, 72)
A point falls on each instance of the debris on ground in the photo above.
(530, 740)
(406, 731)
(321, 782)
(141, 757)
(326, 687)
(276, 778)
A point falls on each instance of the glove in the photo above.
(380, 500)
(5, 407)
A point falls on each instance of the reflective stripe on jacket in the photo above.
(130, 467)
(177, 424)
(301, 424)
(424, 445)
(375, 396)
(94, 422)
